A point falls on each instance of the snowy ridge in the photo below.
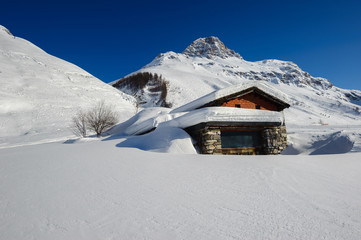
(2, 28)
(40, 93)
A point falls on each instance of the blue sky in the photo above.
(111, 39)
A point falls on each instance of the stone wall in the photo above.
(274, 140)
(211, 141)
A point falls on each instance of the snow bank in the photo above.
(162, 139)
(323, 140)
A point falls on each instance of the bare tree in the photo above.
(79, 124)
(100, 118)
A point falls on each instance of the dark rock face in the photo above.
(209, 47)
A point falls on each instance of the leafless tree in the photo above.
(100, 118)
(79, 124)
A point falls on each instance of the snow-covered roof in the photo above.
(268, 89)
(203, 115)
(226, 115)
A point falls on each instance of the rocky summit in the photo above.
(209, 47)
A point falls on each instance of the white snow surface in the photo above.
(95, 190)
(39, 93)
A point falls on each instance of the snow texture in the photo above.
(162, 139)
(94, 190)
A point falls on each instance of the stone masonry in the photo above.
(211, 141)
(274, 140)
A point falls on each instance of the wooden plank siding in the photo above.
(251, 101)
(251, 98)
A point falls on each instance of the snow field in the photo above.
(95, 190)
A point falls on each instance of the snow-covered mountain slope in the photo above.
(39, 93)
(207, 65)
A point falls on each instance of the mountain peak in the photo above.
(209, 47)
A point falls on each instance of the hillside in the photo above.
(40, 93)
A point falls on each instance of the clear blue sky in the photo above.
(111, 39)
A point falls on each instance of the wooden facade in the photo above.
(251, 101)
(252, 98)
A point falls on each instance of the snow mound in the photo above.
(162, 139)
(323, 140)
(141, 122)
(336, 143)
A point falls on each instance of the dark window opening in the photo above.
(258, 107)
(238, 105)
(240, 139)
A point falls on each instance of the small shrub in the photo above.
(98, 119)
(79, 124)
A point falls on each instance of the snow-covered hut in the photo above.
(242, 119)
